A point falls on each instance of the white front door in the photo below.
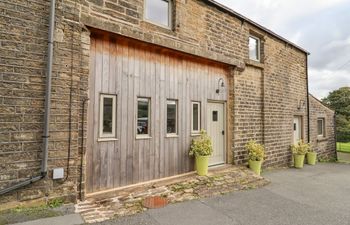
(216, 130)
(297, 129)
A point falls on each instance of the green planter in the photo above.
(311, 158)
(255, 166)
(299, 161)
(202, 165)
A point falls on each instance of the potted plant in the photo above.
(299, 151)
(311, 156)
(256, 153)
(202, 149)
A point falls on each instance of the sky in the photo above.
(322, 27)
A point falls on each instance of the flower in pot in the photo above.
(256, 153)
(311, 156)
(202, 149)
(299, 151)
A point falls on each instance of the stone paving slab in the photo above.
(218, 182)
(71, 219)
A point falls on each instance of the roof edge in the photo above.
(231, 11)
(310, 95)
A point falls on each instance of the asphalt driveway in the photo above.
(314, 195)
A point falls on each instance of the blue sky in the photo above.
(320, 26)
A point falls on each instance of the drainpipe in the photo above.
(307, 98)
(47, 107)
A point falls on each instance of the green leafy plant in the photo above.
(202, 145)
(256, 152)
(56, 202)
(300, 148)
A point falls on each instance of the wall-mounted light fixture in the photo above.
(221, 85)
(301, 104)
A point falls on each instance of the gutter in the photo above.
(46, 136)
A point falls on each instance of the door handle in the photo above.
(223, 132)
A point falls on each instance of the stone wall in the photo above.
(324, 146)
(264, 97)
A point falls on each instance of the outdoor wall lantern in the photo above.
(221, 85)
(301, 104)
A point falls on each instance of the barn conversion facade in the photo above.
(133, 82)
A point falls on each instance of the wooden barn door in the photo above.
(124, 72)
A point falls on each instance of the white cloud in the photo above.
(324, 81)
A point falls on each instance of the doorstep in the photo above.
(127, 201)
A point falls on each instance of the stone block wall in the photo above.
(263, 100)
(324, 146)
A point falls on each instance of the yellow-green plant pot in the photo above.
(299, 161)
(311, 158)
(255, 166)
(202, 165)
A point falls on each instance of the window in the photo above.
(143, 116)
(254, 48)
(215, 116)
(108, 109)
(171, 111)
(158, 11)
(196, 117)
(320, 127)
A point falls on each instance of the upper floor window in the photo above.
(158, 11)
(320, 127)
(254, 48)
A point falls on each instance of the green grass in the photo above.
(344, 147)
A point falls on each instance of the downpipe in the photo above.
(43, 172)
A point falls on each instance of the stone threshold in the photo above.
(127, 201)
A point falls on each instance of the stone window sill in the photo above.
(254, 63)
(322, 139)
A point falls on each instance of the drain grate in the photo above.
(155, 202)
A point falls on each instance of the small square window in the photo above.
(196, 117)
(320, 127)
(143, 116)
(158, 11)
(171, 125)
(254, 48)
(108, 109)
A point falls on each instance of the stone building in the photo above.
(133, 81)
(322, 129)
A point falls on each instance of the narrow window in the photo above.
(215, 116)
(196, 117)
(171, 123)
(254, 48)
(158, 11)
(320, 127)
(108, 109)
(143, 116)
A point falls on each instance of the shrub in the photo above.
(300, 148)
(256, 152)
(202, 145)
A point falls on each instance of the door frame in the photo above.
(224, 104)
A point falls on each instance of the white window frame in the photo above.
(143, 99)
(199, 117)
(323, 127)
(258, 48)
(170, 13)
(108, 136)
(176, 117)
